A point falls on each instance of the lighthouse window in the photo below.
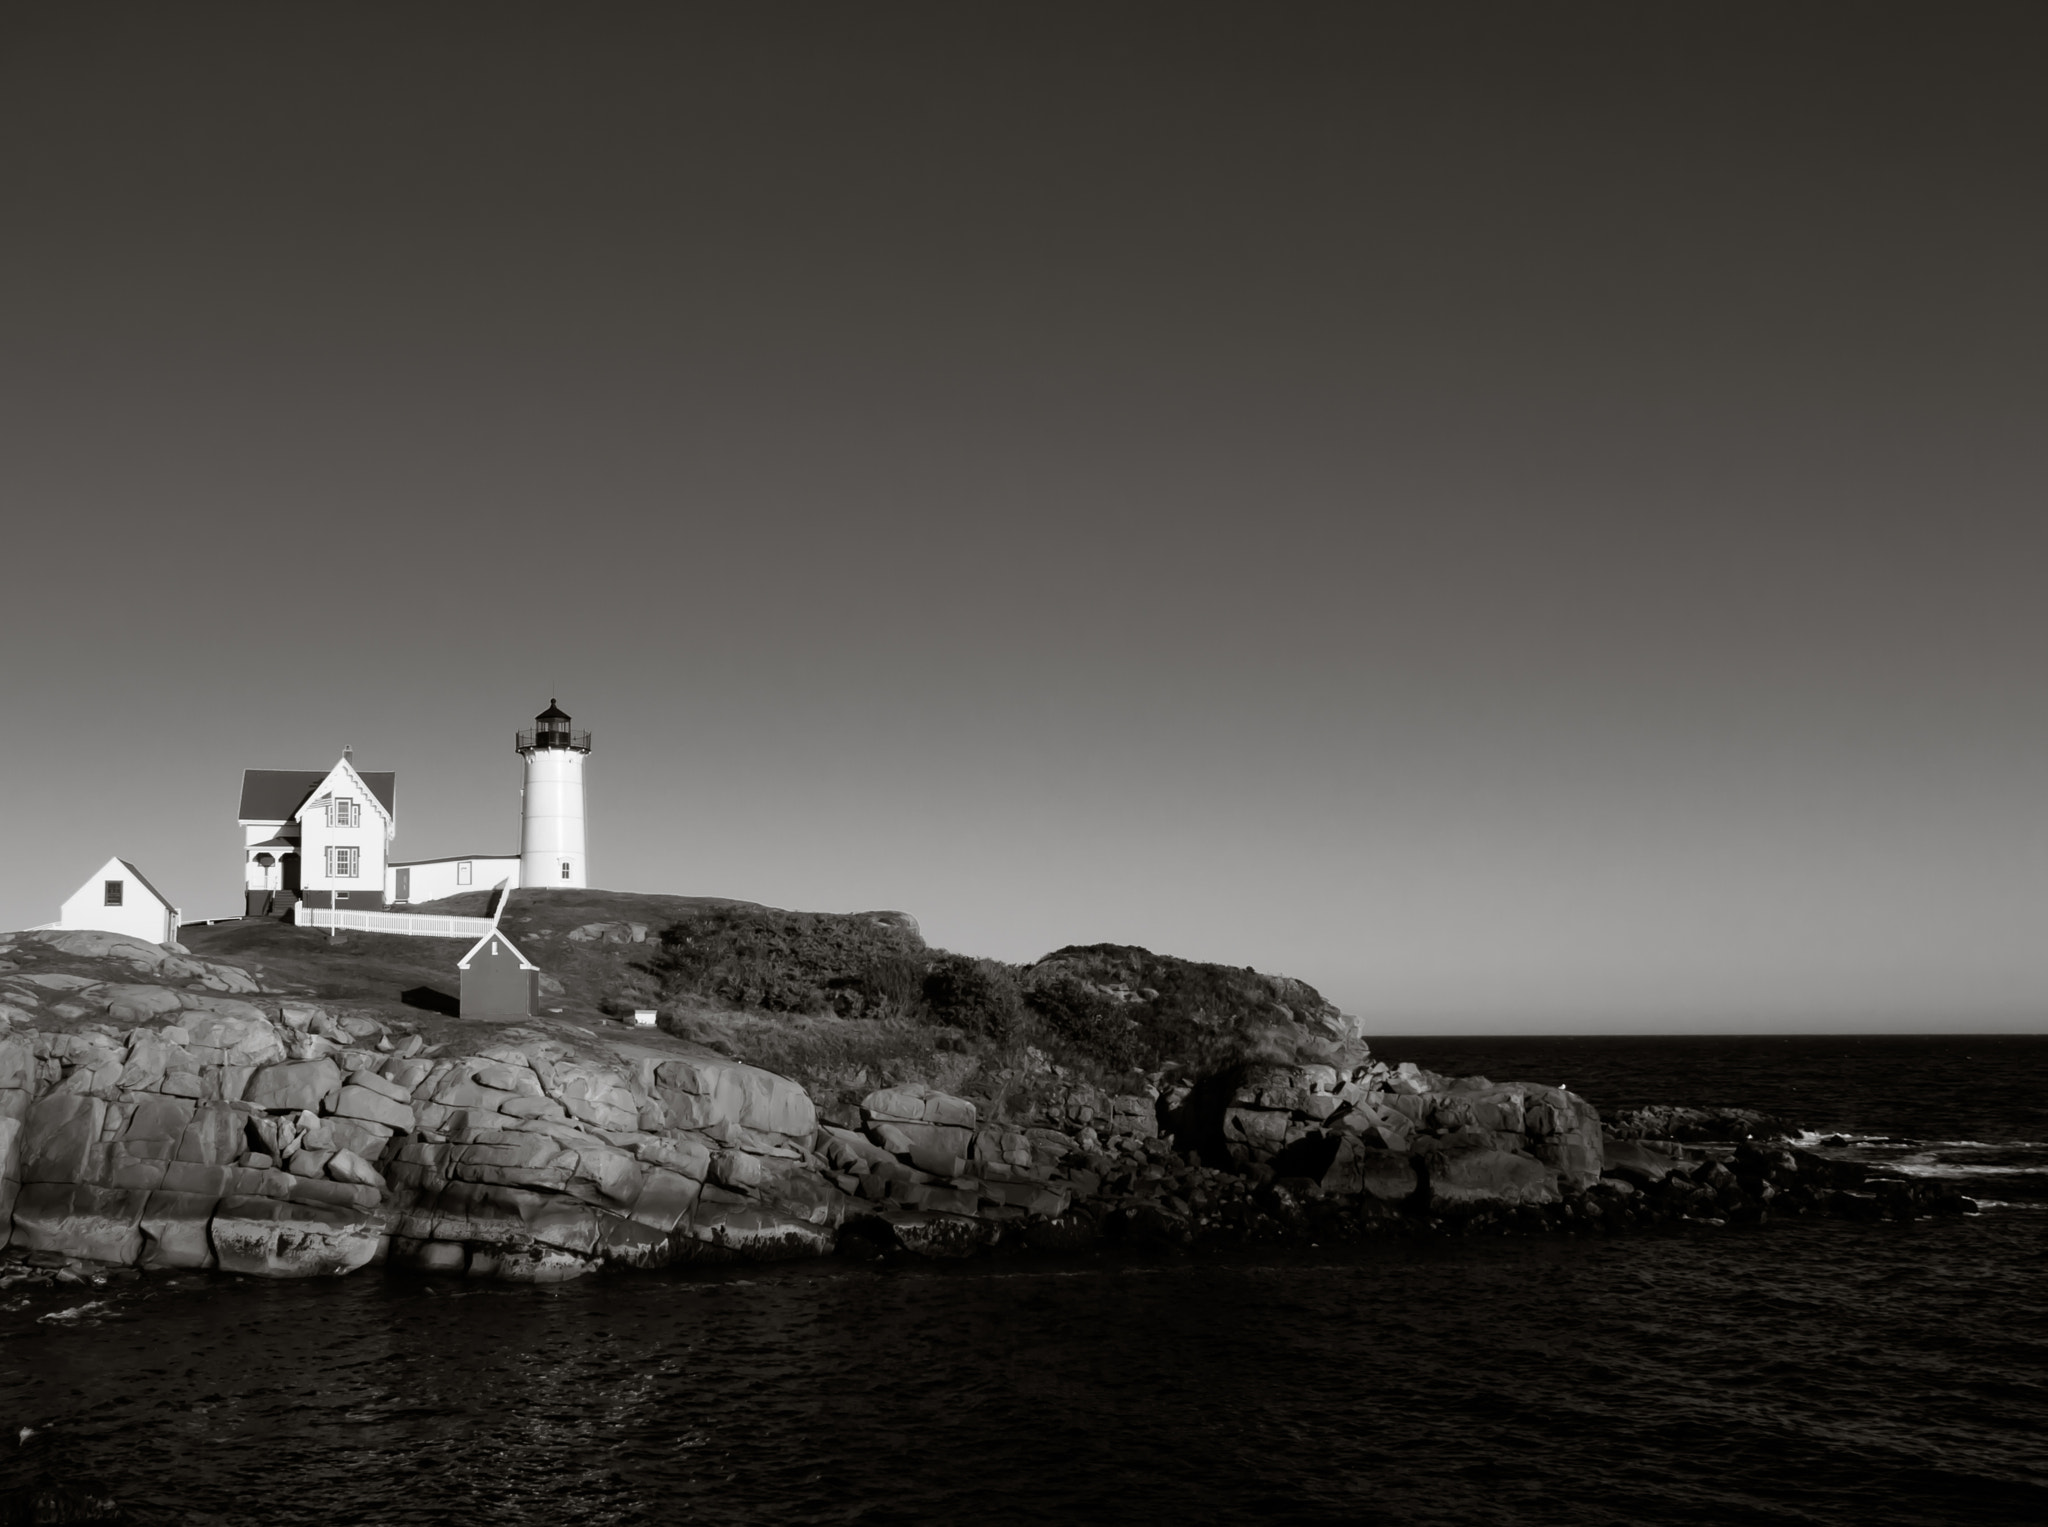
(565, 869)
(115, 888)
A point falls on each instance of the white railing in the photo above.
(392, 922)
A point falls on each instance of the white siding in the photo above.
(443, 877)
(370, 837)
(551, 832)
(141, 914)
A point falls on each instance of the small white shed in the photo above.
(119, 899)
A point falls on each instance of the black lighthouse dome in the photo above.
(551, 730)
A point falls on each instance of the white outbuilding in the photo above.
(119, 899)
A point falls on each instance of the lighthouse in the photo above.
(551, 812)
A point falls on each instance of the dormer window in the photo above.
(342, 811)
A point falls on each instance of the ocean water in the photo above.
(1796, 1373)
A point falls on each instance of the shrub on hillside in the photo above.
(792, 962)
(1126, 1006)
(979, 996)
(1087, 1018)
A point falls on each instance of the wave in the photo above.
(1811, 1138)
(1964, 1169)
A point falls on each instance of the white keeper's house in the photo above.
(324, 839)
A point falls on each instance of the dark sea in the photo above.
(1790, 1374)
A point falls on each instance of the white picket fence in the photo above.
(404, 923)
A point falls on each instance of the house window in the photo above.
(565, 869)
(343, 812)
(114, 890)
(343, 862)
(463, 872)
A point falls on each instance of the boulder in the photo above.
(890, 1137)
(78, 1220)
(372, 1081)
(494, 1215)
(272, 1238)
(340, 1195)
(296, 1085)
(685, 1155)
(203, 1179)
(1476, 1175)
(1361, 1168)
(736, 1169)
(937, 1161)
(614, 1173)
(957, 1113)
(1575, 1160)
(175, 1230)
(776, 1105)
(138, 1004)
(760, 1234)
(521, 1107)
(1260, 1130)
(946, 1139)
(347, 1166)
(231, 1033)
(665, 1200)
(1640, 1162)
(503, 1078)
(217, 1136)
(58, 1137)
(17, 1063)
(849, 1151)
(359, 1102)
(365, 1137)
(898, 1105)
(513, 1159)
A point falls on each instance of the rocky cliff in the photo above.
(160, 1110)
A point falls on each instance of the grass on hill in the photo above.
(843, 1002)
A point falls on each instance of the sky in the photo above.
(1529, 518)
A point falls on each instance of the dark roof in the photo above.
(272, 795)
(408, 864)
(159, 895)
(554, 712)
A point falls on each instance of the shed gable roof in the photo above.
(275, 795)
(118, 868)
(510, 948)
(159, 895)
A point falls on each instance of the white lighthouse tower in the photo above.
(551, 813)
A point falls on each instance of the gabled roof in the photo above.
(159, 895)
(413, 864)
(107, 872)
(342, 779)
(478, 948)
(275, 795)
